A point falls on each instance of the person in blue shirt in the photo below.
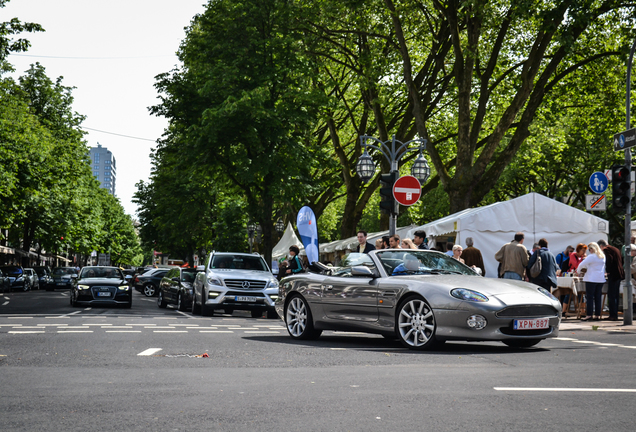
(295, 266)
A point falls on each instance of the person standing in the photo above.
(472, 256)
(364, 246)
(513, 257)
(449, 249)
(295, 266)
(562, 256)
(577, 257)
(615, 274)
(594, 268)
(394, 242)
(547, 277)
(407, 243)
(457, 253)
(419, 238)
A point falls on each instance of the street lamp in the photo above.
(393, 150)
(280, 226)
(250, 232)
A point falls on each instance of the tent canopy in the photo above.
(288, 239)
(535, 215)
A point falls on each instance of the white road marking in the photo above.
(198, 328)
(123, 331)
(75, 331)
(24, 317)
(160, 327)
(216, 331)
(140, 324)
(88, 309)
(6, 298)
(263, 332)
(149, 352)
(52, 325)
(119, 327)
(95, 324)
(28, 331)
(5, 303)
(564, 389)
(184, 314)
(169, 331)
(10, 325)
(600, 344)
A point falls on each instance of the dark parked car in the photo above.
(176, 288)
(16, 276)
(148, 283)
(44, 276)
(5, 282)
(101, 285)
(62, 277)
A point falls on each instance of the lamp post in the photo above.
(280, 227)
(251, 228)
(393, 150)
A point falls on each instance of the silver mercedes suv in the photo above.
(238, 281)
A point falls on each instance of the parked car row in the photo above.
(40, 277)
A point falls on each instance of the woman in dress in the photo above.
(594, 268)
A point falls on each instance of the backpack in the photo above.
(535, 270)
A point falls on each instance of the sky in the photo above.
(111, 52)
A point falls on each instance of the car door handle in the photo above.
(389, 293)
(327, 287)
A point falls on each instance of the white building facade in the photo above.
(104, 167)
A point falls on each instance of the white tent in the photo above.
(288, 239)
(535, 215)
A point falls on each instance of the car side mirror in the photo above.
(128, 277)
(361, 271)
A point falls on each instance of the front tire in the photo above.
(196, 309)
(181, 307)
(160, 301)
(150, 290)
(415, 324)
(298, 320)
(26, 287)
(521, 343)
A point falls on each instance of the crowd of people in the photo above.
(597, 262)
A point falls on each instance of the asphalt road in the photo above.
(86, 369)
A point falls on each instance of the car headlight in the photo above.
(548, 293)
(83, 287)
(272, 284)
(468, 295)
(123, 287)
(214, 281)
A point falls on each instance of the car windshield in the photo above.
(188, 275)
(100, 272)
(399, 263)
(12, 270)
(60, 271)
(242, 262)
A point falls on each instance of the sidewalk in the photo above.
(577, 324)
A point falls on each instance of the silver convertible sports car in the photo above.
(420, 297)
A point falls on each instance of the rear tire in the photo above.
(207, 311)
(299, 321)
(150, 290)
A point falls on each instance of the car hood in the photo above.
(508, 291)
(61, 277)
(242, 274)
(101, 281)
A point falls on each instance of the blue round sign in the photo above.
(598, 182)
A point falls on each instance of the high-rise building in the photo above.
(104, 168)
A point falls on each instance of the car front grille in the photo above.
(97, 289)
(538, 332)
(530, 311)
(244, 284)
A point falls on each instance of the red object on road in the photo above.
(407, 190)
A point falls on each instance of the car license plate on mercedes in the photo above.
(244, 299)
(61, 283)
(532, 324)
(103, 294)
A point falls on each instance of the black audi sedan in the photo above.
(101, 285)
(62, 278)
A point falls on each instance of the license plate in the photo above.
(244, 299)
(61, 283)
(103, 294)
(532, 324)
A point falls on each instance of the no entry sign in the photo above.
(407, 190)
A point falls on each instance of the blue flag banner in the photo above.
(308, 230)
